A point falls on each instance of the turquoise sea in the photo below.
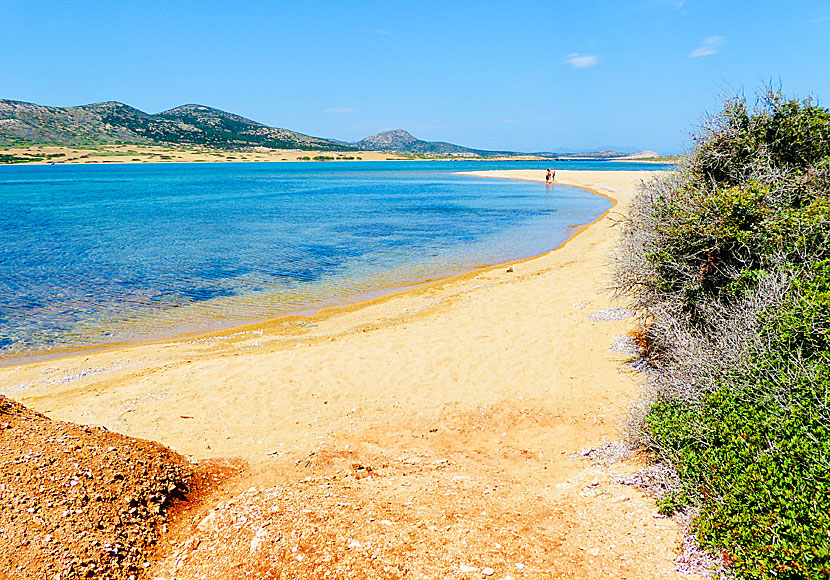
(98, 254)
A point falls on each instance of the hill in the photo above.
(113, 123)
(400, 140)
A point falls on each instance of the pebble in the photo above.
(464, 568)
(625, 345)
(260, 535)
(488, 571)
(611, 314)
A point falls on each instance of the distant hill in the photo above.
(643, 155)
(603, 154)
(400, 140)
(112, 122)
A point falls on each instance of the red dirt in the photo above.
(80, 502)
(464, 495)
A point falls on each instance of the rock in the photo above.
(488, 571)
(207, 522)
(260, 535)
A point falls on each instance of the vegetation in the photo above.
(728, 257)
(116, 123)
(8, 158)
(662, 159)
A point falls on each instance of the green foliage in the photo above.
(755, 452)
(802, 328)
(758, 466)
(9, 158)
(750, 440)
(704, 242)
(782, 133)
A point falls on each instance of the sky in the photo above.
(521, 75)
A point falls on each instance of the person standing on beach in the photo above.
(552, 174)
(547, 177)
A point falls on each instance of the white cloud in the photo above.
(577, 60)
(819, 19)
(339, 110)
(710, 45)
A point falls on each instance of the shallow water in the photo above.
(92, 255)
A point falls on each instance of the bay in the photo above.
(99, 254)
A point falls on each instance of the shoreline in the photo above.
(142, 154)
(471, 420)
(76, 366)
(149, 154)
(314, 311)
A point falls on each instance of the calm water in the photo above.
(96, 254)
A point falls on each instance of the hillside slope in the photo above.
(400, 140)
(112, 123)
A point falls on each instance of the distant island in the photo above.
(115, 132)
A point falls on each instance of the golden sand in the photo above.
(168, 154)
(512, 351)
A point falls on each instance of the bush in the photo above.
(728, 260)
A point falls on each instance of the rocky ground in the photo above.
(459, 496)
(81, 502)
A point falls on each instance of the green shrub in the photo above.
(730, 258)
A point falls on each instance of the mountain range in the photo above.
(110, 123)
(113, 123)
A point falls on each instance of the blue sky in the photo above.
(530, 76)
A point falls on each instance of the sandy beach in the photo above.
(58, 155)
(134, 154)
(460, 411)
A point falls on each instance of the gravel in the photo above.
(611, 314)
(80, 502)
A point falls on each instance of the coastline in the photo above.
(493, 382)
(18, 379)
(139, 154)
(318, 309)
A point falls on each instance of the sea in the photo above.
(94, 255)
